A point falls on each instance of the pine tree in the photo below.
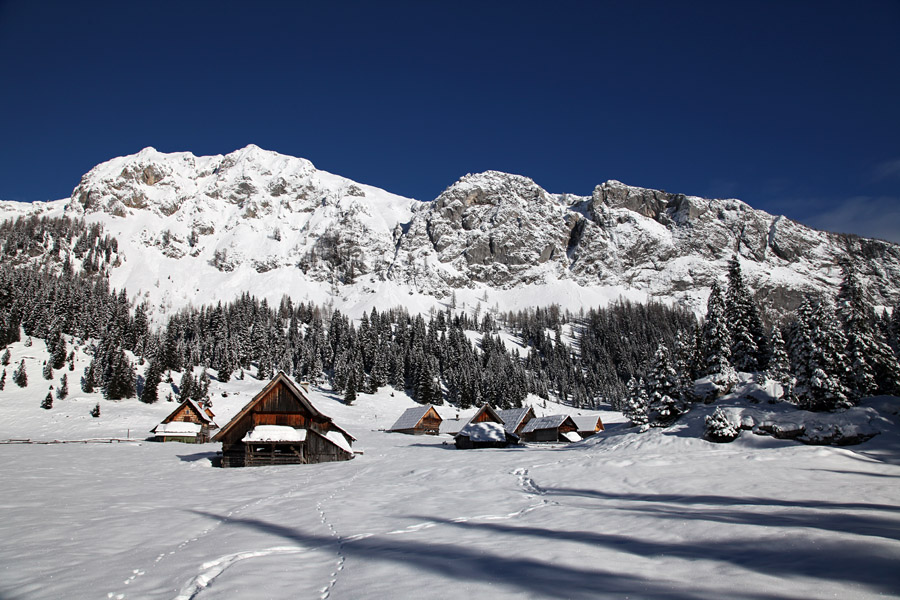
(63, 389)
(48, 401)
(817, 358)
(47, 371)
(152, 378)
(350, 393)
(121, 380)
(3, 380)
(637, 405)
(87, 381)
(20, 376)
(779, 368)
(715, 342)
(4, 359)
(662, 388)
(738, 307)
(95, 412)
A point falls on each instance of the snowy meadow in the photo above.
(661, 514)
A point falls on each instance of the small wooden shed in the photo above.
(515, 419)
(484, 434)
(588, 425)
(418, 420)
(188, 423)
(552, 428)
(281, 426)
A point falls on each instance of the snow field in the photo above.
(660, 514)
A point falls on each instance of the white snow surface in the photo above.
(662, 514)
(274, 433)
(177, 427)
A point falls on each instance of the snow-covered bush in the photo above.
(719, 427)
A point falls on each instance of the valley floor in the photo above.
(657, 515)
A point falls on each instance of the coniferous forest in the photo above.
(643, 359)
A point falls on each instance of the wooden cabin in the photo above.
(552, 428)
(515, 419)
(418, 420)
(188, 423)
(486, 413)
(281, 426)
(589, 425)
(452, 426)
(484, 434)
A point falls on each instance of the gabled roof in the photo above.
(588, 423)
(201, 414)
(487, 408)
(411, 417)
(512, 417)
(548, 422)
(452, 426)
(294, 389)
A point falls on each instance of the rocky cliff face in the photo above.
(226, 220)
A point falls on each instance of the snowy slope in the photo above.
(203, 229)
(656, 515)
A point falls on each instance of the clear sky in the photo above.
(792, 106)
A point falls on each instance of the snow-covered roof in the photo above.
(410, 417)
(512, 417)
(572, 436)
(486, 431)
(452, 426)
(177, 428)
(275, 433)
(201, 414)
(547, 422)
(338, 439)
(587, 423)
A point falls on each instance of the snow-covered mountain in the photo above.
(201, 229)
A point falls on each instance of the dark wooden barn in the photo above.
(281, 426)
(552, 428)
(188, 423)
(418, 420)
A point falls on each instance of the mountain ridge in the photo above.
(259, 221)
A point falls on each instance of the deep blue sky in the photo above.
(793, 107)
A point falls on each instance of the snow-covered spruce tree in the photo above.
(636, 406)
(748, 338)
(873, 367)
(662, 389)
(20, 376)
(121, 380)
(95, 412)
(152, 378)
(350, 392)
(4, 359)
(715, 342)
(3, 380)
(779, 368)
(719, 428)
(48, 401)
(47, 371)
(816, 358)
(63, 390)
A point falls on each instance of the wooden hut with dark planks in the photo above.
(188, 423)
(485, 430)
(418, 420)
(515, 419)
(281, 426)
(552, 428)
(589, 425)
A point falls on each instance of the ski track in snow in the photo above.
(212, 569)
